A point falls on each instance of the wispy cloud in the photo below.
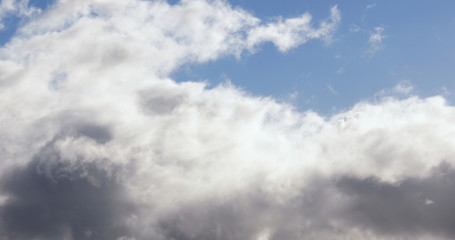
(340, 70)
(375, 40)
(404, 87)
(446, 91)
(294, 31)
(371, 5)
(331, 89)
(354, 28)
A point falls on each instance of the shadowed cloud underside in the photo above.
(98, 142)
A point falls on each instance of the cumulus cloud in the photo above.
(97, 142)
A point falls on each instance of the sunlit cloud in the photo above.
(99, 142)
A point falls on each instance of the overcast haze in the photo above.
(201, 119)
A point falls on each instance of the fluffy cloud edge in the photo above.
(183, 161)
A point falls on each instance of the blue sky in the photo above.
(417, 48)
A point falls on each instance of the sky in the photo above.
(213, 119)
(411, 43)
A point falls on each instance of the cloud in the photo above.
(97, 142)
(375, 40)
(340, 70)
(342, 208)
(18, 8)
(446, 91)
(52, 199)
(404, 87)
(331, 89)
(403, 209)
(295, 31)
(354, 28)
(371, 5)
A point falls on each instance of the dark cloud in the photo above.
(255, 214)
(101, 134)
(328, 208)
(49, 199)
(412, 207)
(161, 100)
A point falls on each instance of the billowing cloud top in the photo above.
(97, 142)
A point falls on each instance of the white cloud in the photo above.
(428, 201)
(88, 109)
(404, 87)
(294, 31)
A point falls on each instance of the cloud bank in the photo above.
(97, 142)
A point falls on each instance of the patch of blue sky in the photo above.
(173, 2)
(41, 4)
(12, 22)
(416, 45)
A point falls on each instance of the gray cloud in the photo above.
(252, 215)
(332, 208)
(412, 207)
(54, 199)
(98, 133)
(161, 100)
